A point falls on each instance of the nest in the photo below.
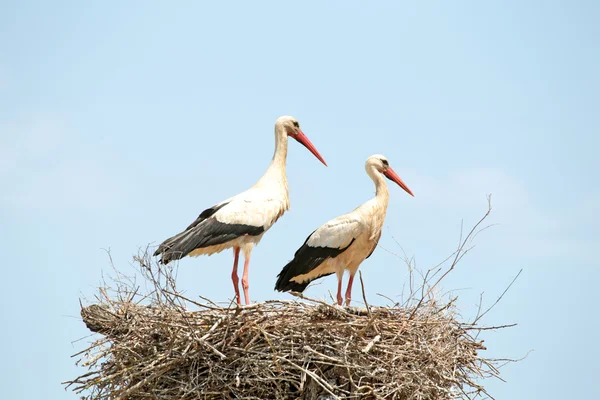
(162, 345)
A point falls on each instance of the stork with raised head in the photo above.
(240, 221)
(343, 243)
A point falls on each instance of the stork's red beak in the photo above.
(301, 137)
(390, 174)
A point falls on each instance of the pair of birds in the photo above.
(239, 222)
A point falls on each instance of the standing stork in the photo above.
(240, 221)
(343, 243)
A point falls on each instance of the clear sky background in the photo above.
(120, 123)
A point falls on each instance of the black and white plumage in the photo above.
(344, 242)
(240, 221)
(306, 259)
(206, 235)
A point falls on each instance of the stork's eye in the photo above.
(296, 124)
(385, 162)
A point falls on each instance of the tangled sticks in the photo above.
(278, 349)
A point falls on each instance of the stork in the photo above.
(343, 243)
(240, 221)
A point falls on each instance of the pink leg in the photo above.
(339, 293)
(234, 274)
(349, 290)
(245, 284)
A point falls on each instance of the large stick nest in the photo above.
(162, 345)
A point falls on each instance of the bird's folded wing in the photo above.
(209, 212)
(249, 213)
(253, 208)
(337, 233)
(309, 263)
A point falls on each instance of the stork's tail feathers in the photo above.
(284, 284)
(169, 256)
(169, 249)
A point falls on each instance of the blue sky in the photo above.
(119, 123)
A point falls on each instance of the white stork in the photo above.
(343, 243)
(240, 221)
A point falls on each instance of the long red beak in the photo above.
(301, 137)
(391, 175)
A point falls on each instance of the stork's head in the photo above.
(382, 165)
(291, 127)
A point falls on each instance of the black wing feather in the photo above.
(209, 212)
(306, 259)
(203, 232)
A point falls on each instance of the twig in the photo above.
(362, 286)
(458, 255)
(499, 298)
